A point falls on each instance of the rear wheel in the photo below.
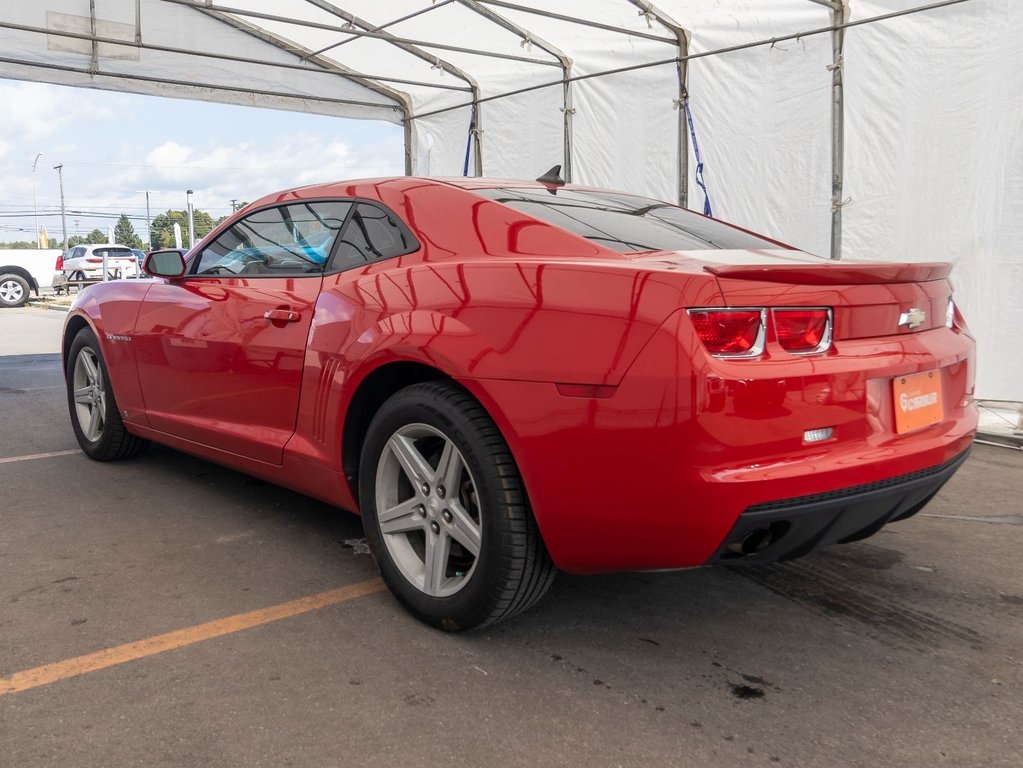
(13, 290)
(445, 511)
(94, 415)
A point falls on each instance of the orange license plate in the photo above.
(917, 400)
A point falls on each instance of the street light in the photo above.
(191, 220)
(35, 210)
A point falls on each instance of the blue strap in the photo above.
(468, 143)
(696, 153)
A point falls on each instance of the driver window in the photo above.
(276, 242)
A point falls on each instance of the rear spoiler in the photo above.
(835, 273)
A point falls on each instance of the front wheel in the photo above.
(13, 290)
(94, 416)
(445, 511)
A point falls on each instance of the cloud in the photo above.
(44, 110)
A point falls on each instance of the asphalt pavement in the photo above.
(166, 611)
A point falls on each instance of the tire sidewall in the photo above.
(469, 606)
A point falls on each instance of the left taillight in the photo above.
(731, 332)
(803, 330)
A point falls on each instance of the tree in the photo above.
(96, 237)
(162, 227)
(124, 233)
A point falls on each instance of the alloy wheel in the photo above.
(428, 510)
(90, 395)
(11, 292)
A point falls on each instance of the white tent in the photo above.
(875, 129)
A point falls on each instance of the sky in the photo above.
(114, 146)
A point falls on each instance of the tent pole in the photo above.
(569, 110)
(478, 143)
(683, 135)
(407, 125)
(682, 41)
(561, 60)
(839, 15)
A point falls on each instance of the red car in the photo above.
(510, 378)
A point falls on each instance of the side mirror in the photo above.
(168, 263)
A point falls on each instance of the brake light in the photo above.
(730, 332)
(803, 331)
(60, 263)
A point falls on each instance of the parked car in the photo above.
(85, 262)
(23, 272)
(140, 256)
(509, 378)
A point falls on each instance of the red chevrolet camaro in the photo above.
(510, 378)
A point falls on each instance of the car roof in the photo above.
(374, 186)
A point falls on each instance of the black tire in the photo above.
(110, 440)
(512, 569)
(14, 290)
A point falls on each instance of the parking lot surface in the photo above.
(165, 611)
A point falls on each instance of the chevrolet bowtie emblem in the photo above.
(913, 317)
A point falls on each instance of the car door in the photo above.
(221, 350)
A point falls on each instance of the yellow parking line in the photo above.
(32, 456)
(90, 662)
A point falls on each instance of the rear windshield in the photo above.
(626, 222)
(114, 253)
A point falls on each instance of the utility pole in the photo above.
(149, 222)
(63, 221)
(234, 205)
(191, 221)
(35, 209)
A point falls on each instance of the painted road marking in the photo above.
(33, 456)
(150, 646)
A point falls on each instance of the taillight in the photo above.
(803, 331)
(60, 263)
(730, 332)
(94, 260)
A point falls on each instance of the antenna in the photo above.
(552, 177)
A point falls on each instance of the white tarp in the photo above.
(933, 112)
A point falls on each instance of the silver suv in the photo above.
(85, 262)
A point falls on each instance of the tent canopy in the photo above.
(875, 129)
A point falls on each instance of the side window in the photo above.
(289, 240)
(372, 234)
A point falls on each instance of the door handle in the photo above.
(282, 316)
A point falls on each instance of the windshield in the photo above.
(626, 222)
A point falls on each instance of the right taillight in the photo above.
(60, 263)
(730, 332)
(803, 330)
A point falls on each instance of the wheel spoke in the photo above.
(402, 518)
(415, 466)
(435, 562)
(464, 529)
(90, 367)
(449, 468)
(95, 420)
(83, 395)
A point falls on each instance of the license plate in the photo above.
(917, 400)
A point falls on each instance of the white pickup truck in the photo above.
(23, 272)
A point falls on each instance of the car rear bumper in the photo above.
(658, 474)
(789, 528)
